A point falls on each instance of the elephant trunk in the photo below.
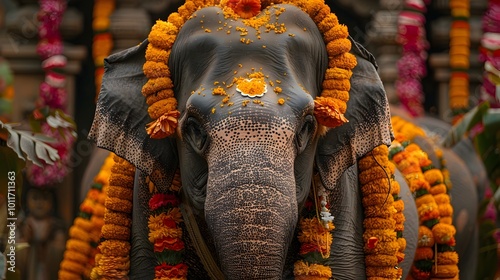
(251, 213)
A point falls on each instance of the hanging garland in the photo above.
(459, 58)
(165, 232)
(49, 117)
(384, 218)
(113, 258)
(6, 91)
(85, 232)
(490, 54)
(435, 255)
(102, 44)
(412, 64)
(315, 226)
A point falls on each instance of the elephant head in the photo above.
(246, 162)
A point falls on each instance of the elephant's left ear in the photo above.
(369, 122)
(122, 114)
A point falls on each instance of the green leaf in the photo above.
(459, 130)
(34, 147)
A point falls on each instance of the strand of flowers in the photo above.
(102, 44)
(165, 232)
(158, 90)
(52, 94)
(384, 218)
(459, 58)
(113, 258)
(490, 54)
(315, 226)
(412, 64)
(85, 231)
(434, 208)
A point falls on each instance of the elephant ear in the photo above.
(369, 122)
(122, 114)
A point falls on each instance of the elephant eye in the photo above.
(305, 133)
(195, 135)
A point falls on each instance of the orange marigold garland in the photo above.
(165, 232)
(112, 260)
(315, 236)
(102, 43)
(459, 58)
(435, 256)
(84, 234)
(383, 223)
(330, 107)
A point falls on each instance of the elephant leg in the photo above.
(410, 232)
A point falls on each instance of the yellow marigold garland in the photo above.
(330, 107)
(435, 256)
(459, 58)
(315, 236)
(84, 234)
(383, 236)
(112, 259)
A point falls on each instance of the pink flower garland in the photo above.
(412, 64)
(52, 93)
(490, 54)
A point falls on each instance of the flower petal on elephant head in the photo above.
(327, 113)
(164, 126)
(245, 8)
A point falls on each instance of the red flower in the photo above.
(168, 243)
(158, 200)
(307, 248)
(245, 8)
(171, 271)
(372, 242)
(169, 223)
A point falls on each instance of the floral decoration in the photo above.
(412, 64)
(459, 58)
(85, 232)
(102, 43)
(112, 261)
(165, 232)
(490, 54)
(435, 256)
(315, 236)
(384, 219)
(49, 117)
(158, 91)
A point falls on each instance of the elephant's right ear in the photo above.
(122, 114)
(369, 122)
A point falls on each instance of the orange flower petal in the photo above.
(164, 126)
(327, 113)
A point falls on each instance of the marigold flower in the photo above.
(445, 271)
(328, 22)
(164, 126)
(168, 243)
(160, 199)
(337, 47)
(166, 271)
(116, 248)
(444, 233)
(327, 113)
(447, 258)
(301, 268)
(72, 266)
(110, 231)
(245, 8)
(118, 204)
(163, 106)
(383, 272)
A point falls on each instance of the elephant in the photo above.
(246, 170)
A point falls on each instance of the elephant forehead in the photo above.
(282, 42)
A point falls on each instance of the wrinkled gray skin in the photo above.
(246, 170)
